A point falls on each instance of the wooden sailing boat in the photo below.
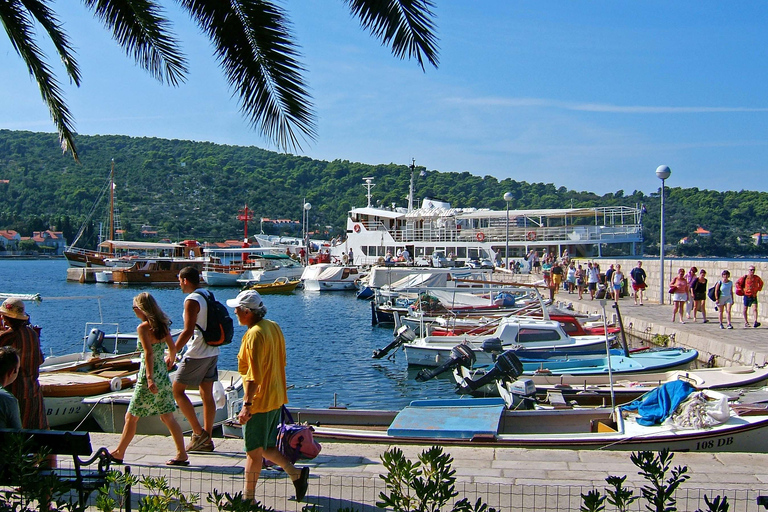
(80, 257)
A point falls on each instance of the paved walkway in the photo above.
(347, 475)
(735, 346)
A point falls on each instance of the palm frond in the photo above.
(139, 27)
(47, 18)
(254, 46)
(18, 26)
(406, 25)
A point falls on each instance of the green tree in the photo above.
(252, 42)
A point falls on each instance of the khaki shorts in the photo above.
(192, 372)
(261, 430)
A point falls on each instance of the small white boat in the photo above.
(64, 389)
(513, 332)
(329, 277)
(109, 409)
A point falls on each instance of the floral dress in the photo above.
(144, 402)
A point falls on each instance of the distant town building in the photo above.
(9, 239)
(52, 242)
(760, 238)
(700, 231)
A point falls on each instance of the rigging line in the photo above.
(90, 214)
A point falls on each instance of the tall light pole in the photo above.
(507, 197)
(662, 172)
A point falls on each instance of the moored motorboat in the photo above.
(520, 332)
(329, 277)
(479, 422)
(64, 388)
(109, 409)
(280, 285)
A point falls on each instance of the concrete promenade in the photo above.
(347, 475)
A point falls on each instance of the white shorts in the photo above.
(679, 297)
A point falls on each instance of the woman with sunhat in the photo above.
(24, 338)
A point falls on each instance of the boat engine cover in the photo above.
(493, 346)
(523, 387)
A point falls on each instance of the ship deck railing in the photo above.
(578, 234)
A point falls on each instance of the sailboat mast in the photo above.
(112, 201)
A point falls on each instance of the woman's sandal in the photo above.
(114, 460)
(177, 462)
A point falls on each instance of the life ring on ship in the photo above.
(480, 236)
(357, 228)
(530, 236)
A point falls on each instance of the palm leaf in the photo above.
(18, 26)
(254, 46)
(406, 25)
(139, 27)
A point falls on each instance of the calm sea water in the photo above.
(329, 337)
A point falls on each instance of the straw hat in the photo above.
(13, 308)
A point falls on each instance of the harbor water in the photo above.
(329, 337)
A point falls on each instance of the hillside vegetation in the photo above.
(185, 189)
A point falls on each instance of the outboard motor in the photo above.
(521, 394)
(507, 366)
(461, 355)
(493, 346)
(95, 341)
(404, 335)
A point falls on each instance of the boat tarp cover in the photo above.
(452, 418)
(657, 405)
(452, 299)
(420, 281)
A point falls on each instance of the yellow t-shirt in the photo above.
(262, 360)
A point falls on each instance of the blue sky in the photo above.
(590, 95)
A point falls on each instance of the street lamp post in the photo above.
(507, 197)
(662, 172)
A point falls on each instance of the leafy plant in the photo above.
(659, 493)
(162, 497)
(592, 502)
(236, 503)
(620, 496)
(112, 494)
(716, 505)
(426, 485)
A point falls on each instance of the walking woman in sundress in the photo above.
(153, 394)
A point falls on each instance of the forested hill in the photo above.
(185, 189)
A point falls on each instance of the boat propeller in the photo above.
(404, 335)
(461, 355)
(507, 366)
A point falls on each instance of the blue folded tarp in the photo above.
(657, 405)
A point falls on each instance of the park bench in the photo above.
(85, 476)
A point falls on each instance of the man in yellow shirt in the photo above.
(261, 363)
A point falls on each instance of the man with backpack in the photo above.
(261, 363)
(749, 286)
(198, 366)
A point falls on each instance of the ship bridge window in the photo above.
(364, 249)
(530, 335)
(461, 252)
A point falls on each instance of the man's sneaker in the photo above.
(730, 326)
(757, 324)
(722, 326)
(200, 443)
(301, 484)
(746, 325)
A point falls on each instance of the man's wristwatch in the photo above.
(247, 404)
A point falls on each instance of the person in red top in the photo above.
(752, 285)
(679, 290)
